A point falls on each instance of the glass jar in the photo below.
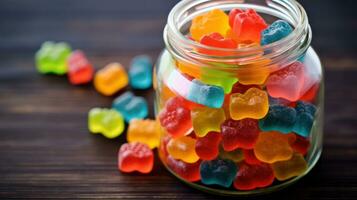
(239, 121)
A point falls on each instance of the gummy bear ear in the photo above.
(232, 15)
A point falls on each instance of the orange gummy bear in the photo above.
(183, 148)
(284, 170)
(273, 146)
(213, 21)
(111, 79)
(145, 131)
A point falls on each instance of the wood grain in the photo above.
(46, 150)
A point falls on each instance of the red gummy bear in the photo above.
(246, 26)
(310, 95)
(249, 157)
(135, 157)
(188, 171)
(207, 147)
(175, 118)
(239, 134)
(301, 144)
(250, 177)
(217, 40)
(80, 71)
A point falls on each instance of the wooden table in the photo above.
(46, 150)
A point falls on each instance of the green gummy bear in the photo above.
(52, 58)
(108, 122)
(218, 78)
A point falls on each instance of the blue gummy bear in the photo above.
(219, 172)
(276, 31)
(208, 95)
(140, 72)
(279, 118)
(131, 106)
(305, 118)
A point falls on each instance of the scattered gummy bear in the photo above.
(144, 131)
(207, 146)
(206, 119)
(175, 118)
(135, 157)
(295, 166)
(140, 72)
(250, 177)
(208, 95)
(246, 25)
(106, 121)
(183, 148)
(188, 171)
(80, 71)
(272, 147)
(287, 83)
(235, 155)
(213, 21)
(52, 58)
(276, 31)
(279, 118)
(217, 40)
(219, 172)
(253, 104)
(130, 106)
(239, 134)
(111, 79)
(305, 113)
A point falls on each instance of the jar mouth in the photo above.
(294, 45)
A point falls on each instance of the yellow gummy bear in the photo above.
(253, 104)
(144, 131)
(213, 21)
(111, 79)
(207, 119)
(284, 170)
(273, 146)
(183, 148)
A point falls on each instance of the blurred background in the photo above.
(45, 148)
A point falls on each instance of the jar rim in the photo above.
(289, 10)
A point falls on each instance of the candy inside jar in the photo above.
(239, 96)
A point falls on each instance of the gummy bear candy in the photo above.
(144, 131)
(205, 120)
(253, 104)
(175, 118)
(235, 155)
(276, 31)
(279, 118)
(295, 166)
(218, 78)
(301, 145)
(183, 148)
(135, 157)
(106, 121)
(52, 58)
(208, 95)
(246, 25)
(240, 88)
(140, 72)
(287, 83)
(250, 177)
(272, 147)
(207, 147)
(219, 172)
(304, 118)
(188, 68)
(131, 106)
(213, 21)
(188, 171)
(111, 79)
(80, 71)
(239, 134)
(255, 73)
(311, 93)
(217, 40)
(249, 157)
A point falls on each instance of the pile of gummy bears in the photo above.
(243, 131)
(58, 58)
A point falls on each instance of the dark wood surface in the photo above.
(46, 150)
